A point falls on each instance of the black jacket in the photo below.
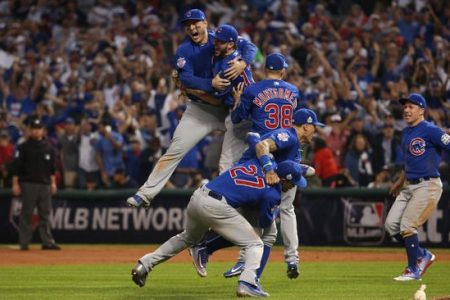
(34, 161)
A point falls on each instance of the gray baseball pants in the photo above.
(197, 121)
(234, 143)
(413, 207)
(204, 212)
(288, 227)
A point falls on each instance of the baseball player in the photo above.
(270, 104)
(194, 66)
(419, 186)
(225, 51)
(283, 144)
(214, 206)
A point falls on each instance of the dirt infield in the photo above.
(11, 256)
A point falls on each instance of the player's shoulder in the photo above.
(429, 125)
(263, 84)
(425, 127)
(255, 88)
(185, 49)
(279, 133)
(290, 86)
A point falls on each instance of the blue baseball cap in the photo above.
(306, 116)
(227, 33)
(292, 171)
(193, 14)
(416, 99)
(276, 61)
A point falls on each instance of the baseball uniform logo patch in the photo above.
(309, 120)
(181, 62)
(417, 146)
(283, 136)
(445, 139)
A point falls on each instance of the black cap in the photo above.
(36, 123)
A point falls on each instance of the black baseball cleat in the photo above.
(51, 247)
(139, 274)
(292, 271)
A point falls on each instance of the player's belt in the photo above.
(212, 194)
(419, 180)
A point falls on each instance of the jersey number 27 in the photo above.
(256, 182)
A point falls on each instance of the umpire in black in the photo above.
(34, 180)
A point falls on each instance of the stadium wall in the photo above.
(349, 216)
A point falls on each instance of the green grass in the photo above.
(356, 280)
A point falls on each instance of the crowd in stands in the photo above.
(98, 74)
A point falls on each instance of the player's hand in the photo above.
(394, 190)
(219, 83)
(237, 92)
(272, 178)
(237, 66)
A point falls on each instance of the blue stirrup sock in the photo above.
(412, 250)
(264, 259)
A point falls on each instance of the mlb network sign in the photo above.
(107, 221)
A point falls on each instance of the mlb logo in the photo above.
(364, 222)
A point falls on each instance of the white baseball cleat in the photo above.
(308, 171)
(425, 262)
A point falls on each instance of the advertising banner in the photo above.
(322, 219)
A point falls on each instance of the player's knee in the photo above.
(391, 227)
(256, 244)
(269, 240)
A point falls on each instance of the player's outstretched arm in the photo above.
(206, 97)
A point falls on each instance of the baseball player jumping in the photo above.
(214, 206)
(419, 186)
(194, 66)
(283, 144)
(226, 51)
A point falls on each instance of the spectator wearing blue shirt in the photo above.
(109, 152)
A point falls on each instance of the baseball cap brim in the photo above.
(319, 124)
(192, 19)
(404, 100)
(302, 183)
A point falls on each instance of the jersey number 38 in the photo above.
(279, 116)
